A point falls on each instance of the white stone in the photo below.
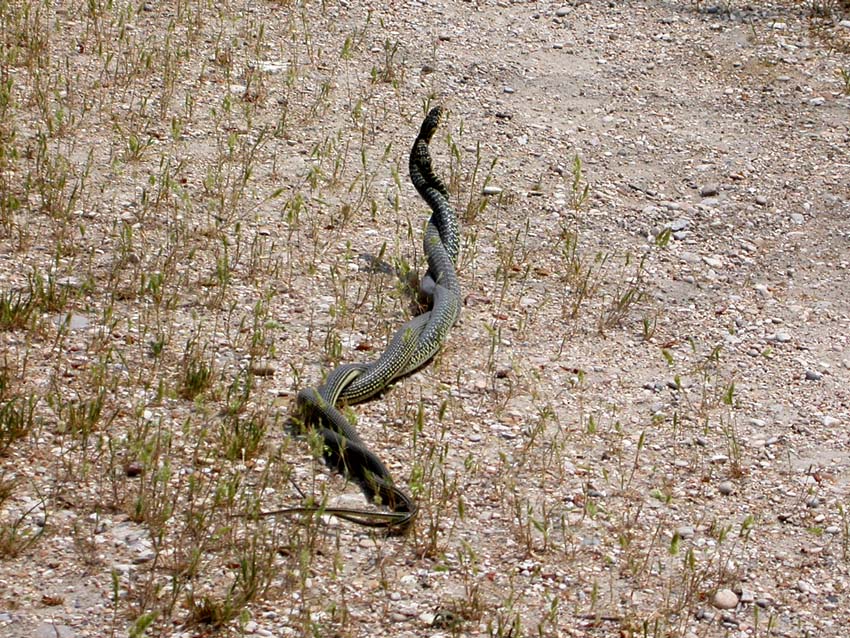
(725, 599)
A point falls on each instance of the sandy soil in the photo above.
(639, 427)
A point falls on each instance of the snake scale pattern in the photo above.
(412, 346)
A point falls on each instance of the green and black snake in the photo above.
(412, 346)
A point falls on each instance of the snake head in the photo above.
(430, 123)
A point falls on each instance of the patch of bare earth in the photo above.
(639, 427)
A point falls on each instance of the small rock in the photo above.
(718, 458)
(761, 200)
(427, 618)
(797, 218)
(271, 67)
(830, 421)
(726, 488)
(817, 101)
(725, 599)
(780, 337)
(133, 469)
(685, 531)
(747, 596)
(562, 11)
(263, 369)
(491, 190)
(679, 224)
(813, 375)
(729, 620)
(70, 282)
(508, 89)
(709, 190)
(50, 630)
(72, 321)
(845, 24)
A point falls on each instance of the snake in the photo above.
(411, 347)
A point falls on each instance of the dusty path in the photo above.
(638, 428)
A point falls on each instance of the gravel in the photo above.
(559, 449)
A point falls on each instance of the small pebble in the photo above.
(709, 190)
(491, 190)
(133, 469)
(761, 200)
(725, 599)
(685, 531)
(562, 11)
(813, 375)
(726, 488)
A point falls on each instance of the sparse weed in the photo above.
(17, 529)
(16, 309)
(17, 420)
(197, 372)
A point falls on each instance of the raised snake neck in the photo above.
(412, 346)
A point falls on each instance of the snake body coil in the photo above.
(412, 346)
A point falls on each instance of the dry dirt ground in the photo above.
(639, 426)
